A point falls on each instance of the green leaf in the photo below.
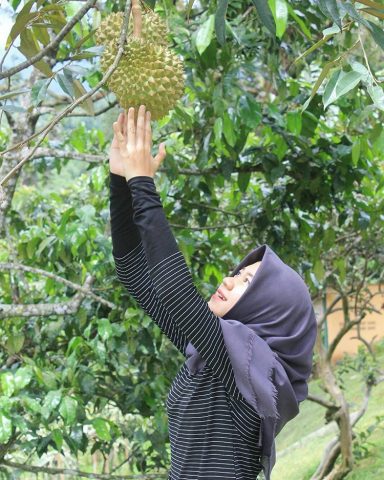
(22, 20)
(228, 130)
(377, 34)
(294, 122)
(49, 380)
(65, 83)
(79, 91)
(339, 84)
(67, 410)
(102, 428)
(330, 9)
(318, 270)
(39, 91)
(280, 14)
(5, 428)
(51, 401)
(377, 94)
(243, 180)
(7, 382)
(356, 148)
(220, 21)
(12, 94)
(15, 343)
(347, 81)
(319, 81)
(47, 241)
(57, 437)
(104, 328)
(265, 15)
(30, 47)
(23, 376)
(359, 67)
(204, 34)
(300, 22)
(341, 267)
(331, 30)
(15, 4)
(352, 12)
(32, 405)
(330, 88)
(249, 111)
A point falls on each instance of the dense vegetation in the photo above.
(278, 139)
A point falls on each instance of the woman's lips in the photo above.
(216, 297)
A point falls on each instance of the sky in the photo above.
(6, 23)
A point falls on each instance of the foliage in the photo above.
(277, 158)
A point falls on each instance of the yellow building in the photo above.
(371, 327)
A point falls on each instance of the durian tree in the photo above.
(276, 138)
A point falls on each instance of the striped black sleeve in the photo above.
(131, 263)
(173, 282)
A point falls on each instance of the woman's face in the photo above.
(231, 289)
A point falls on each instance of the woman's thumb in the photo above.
(162, 153)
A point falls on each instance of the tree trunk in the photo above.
(343, 445)
(23, 126)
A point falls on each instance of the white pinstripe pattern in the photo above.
(214, 432)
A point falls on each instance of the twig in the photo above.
(365, 56)
(57, 278)
(321, 401)
(99, 112)
(51, 45)
(221, 227)
(77, 102)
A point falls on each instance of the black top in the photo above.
(214, 432)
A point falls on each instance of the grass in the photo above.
(301, 443)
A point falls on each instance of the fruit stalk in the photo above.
(136, 13)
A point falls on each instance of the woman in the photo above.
(248, 350)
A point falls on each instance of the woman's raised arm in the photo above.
(130, 261)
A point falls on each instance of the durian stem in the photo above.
(136, 13)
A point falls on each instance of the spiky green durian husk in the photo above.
(154, 29)
(147, 74)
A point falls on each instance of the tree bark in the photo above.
(343, 444)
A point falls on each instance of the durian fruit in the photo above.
(154, 28)
(148, 73)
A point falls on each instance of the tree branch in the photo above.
(53, 276)
(221, 227)
(47, 309)
(99, 112)
(78, 473)
(51, 45)
(46, 152)
(321, 401)
(77, 102)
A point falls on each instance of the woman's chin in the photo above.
(211, 306)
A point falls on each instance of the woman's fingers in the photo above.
(120, 122)
(140, 132)
(148, 134)
(160, 156)
(124, 121)
(131, 130)
(118, 134)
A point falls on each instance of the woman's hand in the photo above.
(130, 154)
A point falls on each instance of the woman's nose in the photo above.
(228, 282)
